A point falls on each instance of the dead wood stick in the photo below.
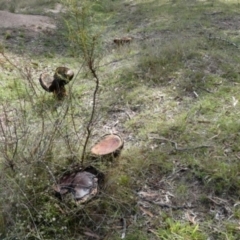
(175, 145)
(223, 40)
(92, 235)
(118, 60)
(165, 205)
(124, 228)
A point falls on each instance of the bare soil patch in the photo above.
(32, 22)
(33, 34)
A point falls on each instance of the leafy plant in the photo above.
(179, 230)
(85, 43)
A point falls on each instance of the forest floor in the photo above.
(172, 93)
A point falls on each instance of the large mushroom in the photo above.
(56, 84)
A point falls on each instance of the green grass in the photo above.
(29, 7)
(177, 230)
(172, 94)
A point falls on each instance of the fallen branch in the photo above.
(223, 40)
(165, 205)
(124, 228)
(175, 145)
(91, 234)
(146, 212)
(118, 60)
(218, 201)
(206, 90)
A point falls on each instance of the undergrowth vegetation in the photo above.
(172, 93)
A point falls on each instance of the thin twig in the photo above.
(165, 205)
(175, 145)
(223, 40)
(206, 90)
(25, 74)
(124, 228)
(118, 60)
(35, 226)
(92, 114)
(91, 67)
(85, 43)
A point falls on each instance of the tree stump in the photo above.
(46, 81)
(122, 41)
(108, 147)
(50, 84)
(56, 84)
(82, 184)
(63, 74)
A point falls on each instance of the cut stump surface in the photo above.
(82, 184)
(107, 145)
